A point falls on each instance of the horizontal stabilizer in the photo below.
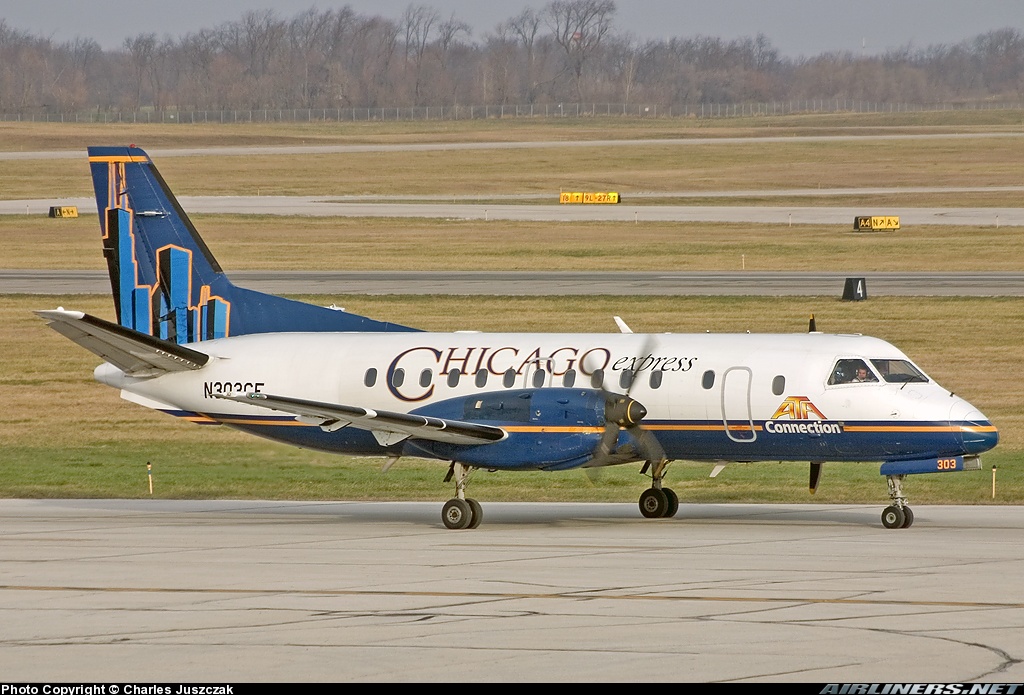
(332, 416)
(134, 353)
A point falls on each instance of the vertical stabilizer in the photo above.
(166, 282)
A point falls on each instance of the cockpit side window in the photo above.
(899, 371)
(851, 371)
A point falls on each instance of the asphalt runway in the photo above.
(202, 591)
(327, 206)
(977, 284)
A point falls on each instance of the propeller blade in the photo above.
(609, 438)
(815, 475)
(647, 445)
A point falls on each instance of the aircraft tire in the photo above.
(456, 514)
(653, 503)
(893, 517)
(673, 502)
(908, 517)
(476, 511)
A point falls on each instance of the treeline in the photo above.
(569, 50)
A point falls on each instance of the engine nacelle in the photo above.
(551, 428)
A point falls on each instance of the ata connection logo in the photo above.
(798, 408)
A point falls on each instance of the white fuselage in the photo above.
(714, 396)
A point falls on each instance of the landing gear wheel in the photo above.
(908, 515)
(456, 514)
(653, 503)
(673, 502)
(893, 517)
(476, 511)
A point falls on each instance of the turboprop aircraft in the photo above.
(189, 343)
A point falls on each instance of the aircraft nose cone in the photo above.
(976, 432)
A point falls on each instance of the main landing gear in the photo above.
(461, 512)
(898, 514)
(658, 502)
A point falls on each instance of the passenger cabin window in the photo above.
(851, 371)
(899, 371)
(656, 377)
(597, 379)
(708, 380)
(509, 380)
(538, 378)
(778, 385)
(425, 376)
(625, 380)
(398, 377)
(371, 377)
(453, 377)
(569, 378)
(481, 378)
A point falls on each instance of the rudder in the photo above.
(165, 280)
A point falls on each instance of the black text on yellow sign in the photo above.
(65, 211)
(876, 223)
(610, 198)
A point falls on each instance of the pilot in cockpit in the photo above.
(862, 374)
(851, 371)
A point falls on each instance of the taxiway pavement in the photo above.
(157, 591)
(326, 206)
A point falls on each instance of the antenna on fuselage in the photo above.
(812, 327)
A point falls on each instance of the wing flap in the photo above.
(331, 416)
(134, 353)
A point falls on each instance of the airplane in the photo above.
(189, 343)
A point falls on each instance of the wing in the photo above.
(388, 427)
(134, 353)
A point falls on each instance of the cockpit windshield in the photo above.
(851, 371)
(899, 371)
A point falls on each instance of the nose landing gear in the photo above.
(898, 514)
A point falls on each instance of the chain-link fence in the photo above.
(458, 112)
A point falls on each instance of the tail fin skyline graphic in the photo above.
(165, 280)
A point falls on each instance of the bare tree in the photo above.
(373, 49)
(448, 33)
(339, 58)
(141, 50)
(417, 22)
(579, 26)
(525, 27)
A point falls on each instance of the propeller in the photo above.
(623, 412)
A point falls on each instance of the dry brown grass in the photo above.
(660, 168)
(316, 243)
(27, 137)
(648, 165)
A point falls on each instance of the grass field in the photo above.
(64, 435)
(973, 158)
(343, 243)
